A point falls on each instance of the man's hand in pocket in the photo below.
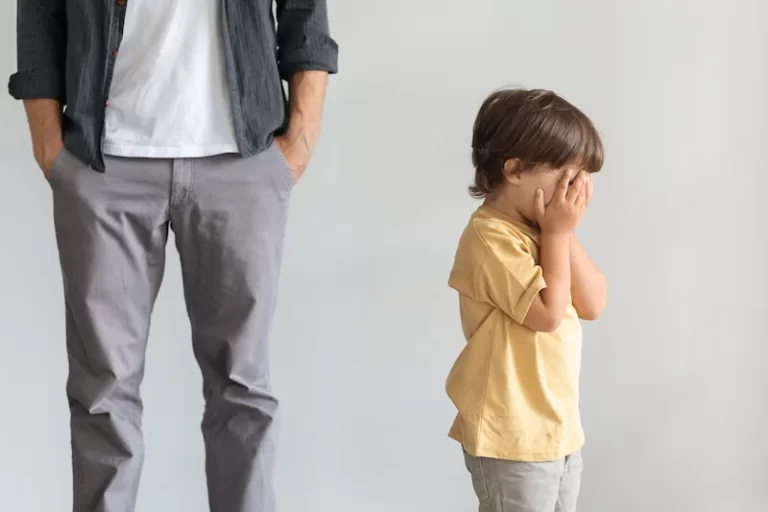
(296, 150)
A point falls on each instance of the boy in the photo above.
(524, 282)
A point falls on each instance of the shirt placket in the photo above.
(114, 37)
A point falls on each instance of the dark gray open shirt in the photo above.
(67, 51)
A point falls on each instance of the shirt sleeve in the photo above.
(41, 42)
(303, 38)
(509, 277)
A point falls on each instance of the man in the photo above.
(150, 115)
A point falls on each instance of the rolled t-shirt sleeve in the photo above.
(509, 278)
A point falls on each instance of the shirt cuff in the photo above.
(37, 83)
(323, 58)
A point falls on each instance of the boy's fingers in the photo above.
(581, 199)
(565, 181)
(540, 208)
(575, 190)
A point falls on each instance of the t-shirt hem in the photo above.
(558, 453)
(132, 151)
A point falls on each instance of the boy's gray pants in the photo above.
(510, 486)
(228, 215)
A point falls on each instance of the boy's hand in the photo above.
(567, 206)
(588, 188)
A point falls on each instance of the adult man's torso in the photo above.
(169, 94)
(68, 51)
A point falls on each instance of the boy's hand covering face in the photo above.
(567, 205)
(588, 186)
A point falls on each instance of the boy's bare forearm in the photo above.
(556, 270)
(589, 289)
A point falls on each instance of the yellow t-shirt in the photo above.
(516, 390)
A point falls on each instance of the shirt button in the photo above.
(121, 2)
(114, 53)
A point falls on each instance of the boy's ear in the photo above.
(512, 168)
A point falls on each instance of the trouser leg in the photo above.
(229, 231)
(111, 232)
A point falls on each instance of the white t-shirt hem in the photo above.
(132, 151)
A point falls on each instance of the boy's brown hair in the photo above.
(535, 127)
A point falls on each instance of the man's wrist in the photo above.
(301, 126)
(300, 141)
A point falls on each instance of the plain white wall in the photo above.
(674, 380)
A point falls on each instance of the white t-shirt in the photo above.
(169, 95)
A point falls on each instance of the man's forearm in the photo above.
(306, 54)
(44, 117)
(306, 95)
(589, 289)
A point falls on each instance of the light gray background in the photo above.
(674, 380)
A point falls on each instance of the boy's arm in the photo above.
(557, 221)
(41, 43)
(589, 289)
(534, 295)
(548, 307)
